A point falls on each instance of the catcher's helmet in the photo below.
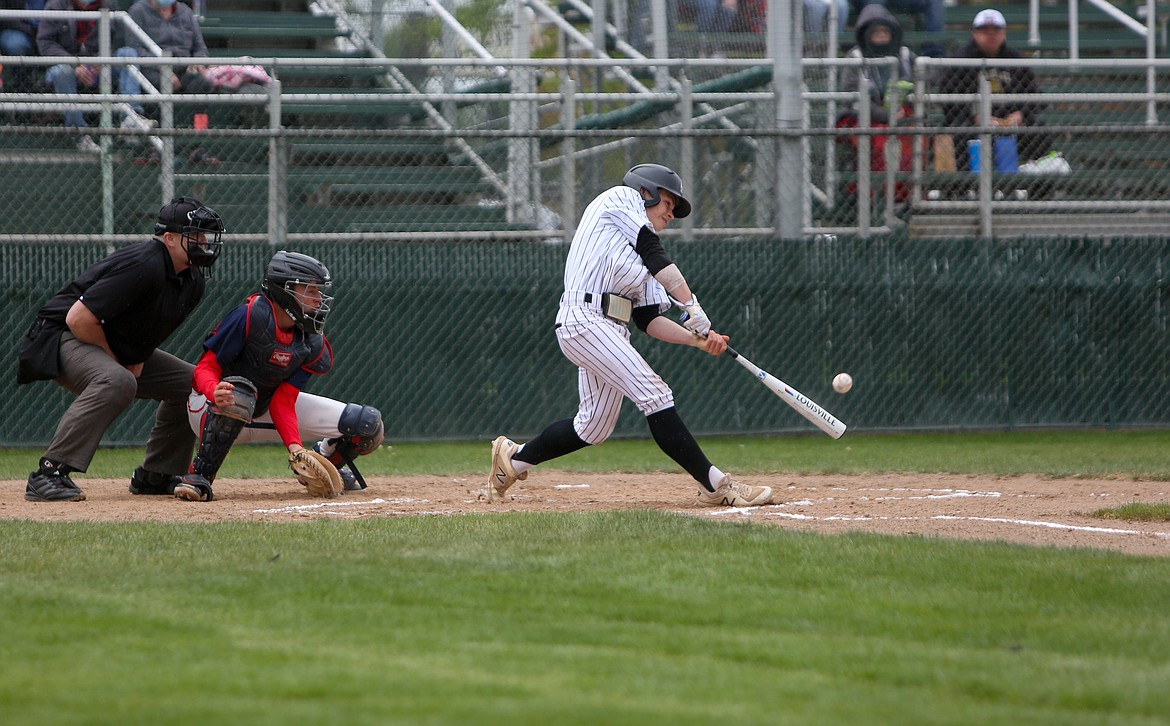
(189, 217)
(653, 177)
(307, 308)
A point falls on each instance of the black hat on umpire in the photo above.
(190, 217)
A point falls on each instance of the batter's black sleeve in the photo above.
(643, 315)
(650, 249)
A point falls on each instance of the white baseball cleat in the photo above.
(731, 493)
(503, 473)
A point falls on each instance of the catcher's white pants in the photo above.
(608, 368)
(317, 416)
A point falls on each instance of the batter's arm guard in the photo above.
(644, 315)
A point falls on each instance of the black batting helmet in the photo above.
(653, 177)
(190, 217)
(287, 269)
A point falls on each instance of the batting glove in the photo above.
(694, 318)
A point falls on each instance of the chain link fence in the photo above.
(516, 156)
(442, 187)
(455, 340)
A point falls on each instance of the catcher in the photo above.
(248, 386)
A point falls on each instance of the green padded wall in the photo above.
(455, 341)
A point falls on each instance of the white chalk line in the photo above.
(770, 511)
(992, 520)
(325, 507)
(1055, 525)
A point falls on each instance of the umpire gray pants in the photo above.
(105, 389)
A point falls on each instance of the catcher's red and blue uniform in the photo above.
(248, 343)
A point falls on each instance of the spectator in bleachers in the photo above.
(713, 17)
(174, 28)
(816, 15)
(18, 36)
(989, 41)
(69, 38)
(879, 35)
(934, 18)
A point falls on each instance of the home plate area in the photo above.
(1023, 509)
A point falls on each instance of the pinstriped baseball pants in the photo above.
(609, 367)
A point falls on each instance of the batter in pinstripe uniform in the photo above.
(618, 271)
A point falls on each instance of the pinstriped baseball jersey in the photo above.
(602, 258)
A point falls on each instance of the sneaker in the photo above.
(132, 121)
(503, 473)
(53, 487)
(193, 488)
(349, 480)
(152, 482)
(731, 493)
(88, 145)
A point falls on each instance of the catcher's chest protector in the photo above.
(268, 363)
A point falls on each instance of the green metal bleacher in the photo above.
(398, 184)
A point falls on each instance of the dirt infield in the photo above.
(1027, 510)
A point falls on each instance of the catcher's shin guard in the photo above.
(219, 433)
(362, 432)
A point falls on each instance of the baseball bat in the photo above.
(804, 405)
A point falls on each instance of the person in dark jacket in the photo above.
(18, 36)
(989, 41)
(175, 29)
(69, 38)
(879, 35)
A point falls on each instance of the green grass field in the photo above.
(596, 618)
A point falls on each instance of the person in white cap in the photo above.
(989, 41)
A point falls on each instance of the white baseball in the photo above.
(842, 382)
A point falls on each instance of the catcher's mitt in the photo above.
(244, 391)
(316, 473)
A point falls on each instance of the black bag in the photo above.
(39, 349)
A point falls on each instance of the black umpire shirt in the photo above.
(137, 296)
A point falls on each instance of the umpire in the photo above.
(98, 338)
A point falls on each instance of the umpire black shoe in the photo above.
(153, 482)
(54, 487)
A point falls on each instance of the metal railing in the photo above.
(567, 137)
